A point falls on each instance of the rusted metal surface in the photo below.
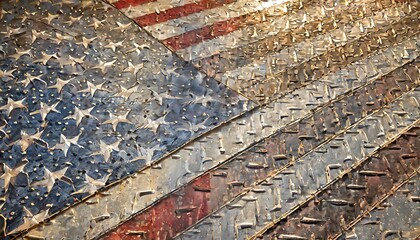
(397, 217)
(97, 111)
(356, 193)
(211, 191)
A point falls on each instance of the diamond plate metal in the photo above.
(288, 65)
(89, 99)
(398, 217)
(198, 156)
(212, 190)
(288, 188)
(356, 193)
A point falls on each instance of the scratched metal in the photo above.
(397, 218)
(291, 185)
(88, 98)
(233, 33)
(230, 59)
(355, 194)
(192, 160)
(263, 77)
(336, 58)
(251, 79)
(272, 66)
(210, 191)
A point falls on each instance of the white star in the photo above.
(30, 220)
(161, 96)
(8, 73)
(50, 17)
(133, 69)
(9, 175)
(113, 45)
(79, 114)
(46, 57)
(114, 120)
(27, 140)
(51, 177)
(92, 185)
(106, 149)
(65, 143)
(30, 79)
(126, 93)
(59, 84)
(96, 23)
(92, 88)
(122, 27)
(87, 41)
(18, 53)
(12, 104)
(45, 109)
(104, 65)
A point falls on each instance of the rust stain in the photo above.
(338, 206)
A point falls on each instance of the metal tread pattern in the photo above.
(396, 217)
(264, 79)
(327, 214)
(289, 188)
(317, 65)
(283, 36)
(213, 189)
(191, 160)
(209, 119)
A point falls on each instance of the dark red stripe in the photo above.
(180, 11)
(171, 215)
(209, 32)
(127, 3)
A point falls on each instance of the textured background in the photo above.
(210, 119)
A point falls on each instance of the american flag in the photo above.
(210, 119)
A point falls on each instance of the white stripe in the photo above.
(208, 17)
(260, 31)
(152, 7)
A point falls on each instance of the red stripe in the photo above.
(180, 11)
(171, 215)
(127, 3)
(209, 32)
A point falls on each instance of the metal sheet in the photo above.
(398, 217)
(199, 198)
(289, 187)
(356, 194)
(89, 98)
(237, 135)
